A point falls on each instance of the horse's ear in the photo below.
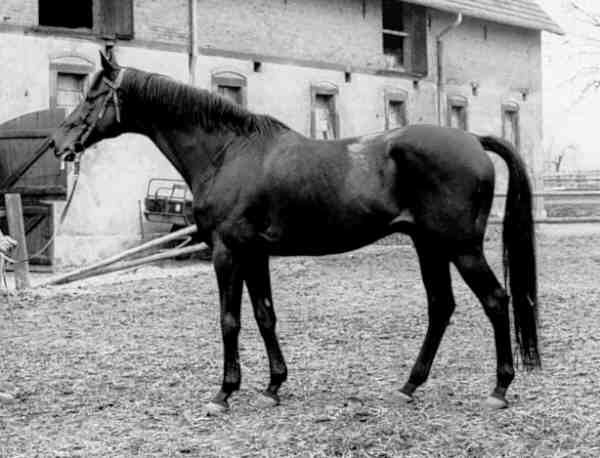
(108, 65)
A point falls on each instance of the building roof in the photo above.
(521, 13)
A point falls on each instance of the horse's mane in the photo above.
(155, 94)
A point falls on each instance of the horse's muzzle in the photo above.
(69, 153)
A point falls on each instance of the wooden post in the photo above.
(16, 229)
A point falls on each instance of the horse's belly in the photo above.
(318, 236)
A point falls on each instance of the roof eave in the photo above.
(551, 26)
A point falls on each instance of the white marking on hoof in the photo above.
(406, 398)
(494, 403)
(266, 402)
(212, 409)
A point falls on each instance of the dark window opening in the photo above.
(393, 15)
(72, 14)
(457, 113)
(230, 85)
(404, 29)
(232, 93)
(510, 124)
(396, 114)
(395, 36)
(324, 116)
(393, 49)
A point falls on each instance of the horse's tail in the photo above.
(518, 238)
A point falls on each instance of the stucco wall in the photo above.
(104, 217)
(333, 31)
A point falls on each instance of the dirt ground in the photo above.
(121, 366)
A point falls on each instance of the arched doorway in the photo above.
(42, 183)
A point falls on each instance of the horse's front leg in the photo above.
(230, 280)
(257, 277)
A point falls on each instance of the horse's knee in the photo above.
(496, 304)
(265, 318)
(230, 325)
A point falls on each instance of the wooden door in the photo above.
(19, 139)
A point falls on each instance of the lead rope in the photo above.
(6, 259)
(114, 86)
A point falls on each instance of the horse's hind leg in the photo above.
(480, 278)
(256, 275)
(435, 270)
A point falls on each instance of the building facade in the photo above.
(327, 68)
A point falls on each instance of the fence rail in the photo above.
(589, 180)
(569, 198)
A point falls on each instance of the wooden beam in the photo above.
(16, 229)
(118, 257)
(129, 264)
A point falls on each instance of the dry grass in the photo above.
(123, 369)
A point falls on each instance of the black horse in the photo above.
(262, 189)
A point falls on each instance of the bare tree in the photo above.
(586, 39)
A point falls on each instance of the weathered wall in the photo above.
(334, 31)
(104, 217)
(19, 12)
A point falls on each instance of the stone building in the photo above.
(327, 68)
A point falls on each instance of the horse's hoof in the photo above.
(495, 403)
(406, 398)
(215, 409)
(267, 400)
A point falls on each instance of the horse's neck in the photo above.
(191, 151)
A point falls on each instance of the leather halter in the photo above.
(111, 95)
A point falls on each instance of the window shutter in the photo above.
(336, 125)
(116, 19)
(124, 22)
(419, 40)
(313, 123)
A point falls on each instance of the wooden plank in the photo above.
(16, 229)
(130, 264)
(118, 257)
(25, 134)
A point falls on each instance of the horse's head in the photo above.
(97, 117)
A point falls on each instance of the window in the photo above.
(457, 112)
(72, 14)
(510, 123)
(69, 90)
(324, 117)
(404, 29)
(68, 79)
(108, 18)
(230, 85)
(395, 110)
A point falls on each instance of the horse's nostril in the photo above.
(78, 147)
